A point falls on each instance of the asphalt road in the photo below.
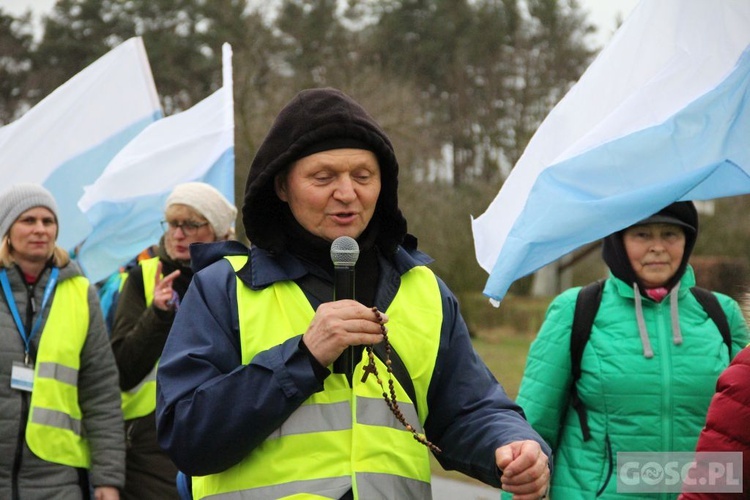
(452, 489)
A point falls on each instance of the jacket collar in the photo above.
(264, 268)
(626, 289)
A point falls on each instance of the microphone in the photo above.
(344, 254)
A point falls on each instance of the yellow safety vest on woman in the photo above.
(343, 437)
(54, 431)
(141, 399)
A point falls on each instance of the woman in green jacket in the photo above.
(648, 370)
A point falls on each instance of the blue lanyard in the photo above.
(14, 309)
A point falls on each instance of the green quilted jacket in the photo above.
(634, 403)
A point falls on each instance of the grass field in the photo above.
(504, 351)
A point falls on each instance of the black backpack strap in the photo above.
(712, 307)
(587, 305)
(399, 371)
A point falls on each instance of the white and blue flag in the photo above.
(68, 138)
(661, 115)
(126, 203)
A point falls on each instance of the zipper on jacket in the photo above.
(129, 428)
(25, 397)
(610, 465)
(21, 438)
(665, 367)
(31, 312)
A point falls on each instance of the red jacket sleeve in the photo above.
(728, 421)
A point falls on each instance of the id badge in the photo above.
(22, 377)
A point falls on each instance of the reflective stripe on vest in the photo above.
(324, 448)
(336, 417)
(141, 399)
(54, 431)
(368, 486)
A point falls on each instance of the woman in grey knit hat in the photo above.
(61, 435)
(195, 212)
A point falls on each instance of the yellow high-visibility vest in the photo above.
(54, 431)
(343, 437)
(141, 399)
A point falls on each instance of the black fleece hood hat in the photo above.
(317, 120)
(682, 213)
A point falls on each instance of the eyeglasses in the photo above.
(189, 228)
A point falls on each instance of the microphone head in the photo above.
(344, 251)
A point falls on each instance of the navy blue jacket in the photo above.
(212, 410)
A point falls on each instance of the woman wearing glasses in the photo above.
(194, 213)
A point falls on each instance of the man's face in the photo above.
(332, 193)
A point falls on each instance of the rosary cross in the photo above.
(368, 369)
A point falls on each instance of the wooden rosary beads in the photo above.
(390, 400)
